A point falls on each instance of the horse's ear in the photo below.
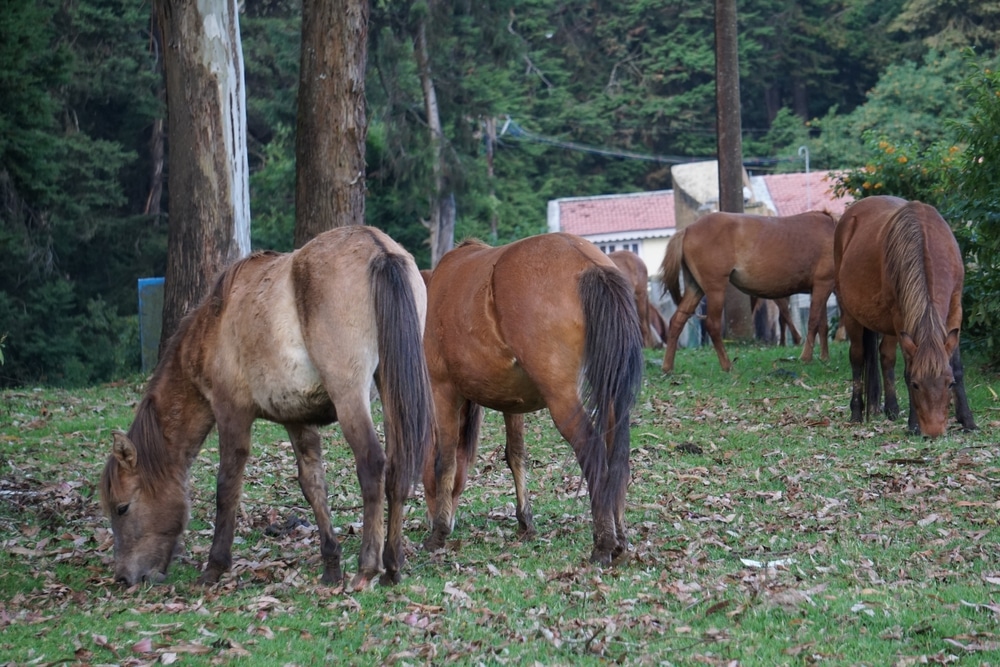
(124, 450)
(951, 341)
(906, 342)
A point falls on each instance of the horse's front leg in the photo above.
(887, 359)
(963, 413)
(234, 449)
(369, 459)
(817, 327)
(517, 460)
(312, 480)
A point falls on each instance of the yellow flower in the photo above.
(878, 185)
(866, 185)
(901, 159)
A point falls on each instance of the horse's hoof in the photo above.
(527, 534)
(435, 542)
(601, 558)
(360, 582)
(209, 578)
(390, 578)
(332, 577)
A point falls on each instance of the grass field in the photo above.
(765, 530)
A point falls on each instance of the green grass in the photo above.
(765, 528)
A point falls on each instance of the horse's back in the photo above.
(299, 329)
(495, 315)
(770, 257)
(861, 253)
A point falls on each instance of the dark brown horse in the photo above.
(637, 275)
(763, 256)
(900, 274)
(296, 339)
(760, 310)
(547, 321)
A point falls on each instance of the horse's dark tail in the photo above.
(404, 385)
(670, 269)
(871, 373)
(612, 377)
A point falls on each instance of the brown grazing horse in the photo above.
(547, 321)
(637, 275)
(764, 256)
(900, 274)
(296, 339)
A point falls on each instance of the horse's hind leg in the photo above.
(570, 419)
(369, 459)
(445, 472)
(234, 449)
(685, 309)
(517, 460)
(963, 413)
(312, 480)
(713, 322)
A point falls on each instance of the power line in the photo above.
(515, 131)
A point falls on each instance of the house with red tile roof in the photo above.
(643, 222)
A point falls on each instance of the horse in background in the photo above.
(637, 274)
(545, 322)
(772, 318)
(899, 273)
(766, 257)
(296, 339)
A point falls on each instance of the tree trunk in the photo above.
(157, 139)
(442, 215)
(331, 127)
(739, 323)
(209, 192)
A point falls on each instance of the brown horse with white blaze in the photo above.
(297, 339)
(900, 274)
(544, 322)
(763, 256)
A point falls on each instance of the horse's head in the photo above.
(147, 517)
(931, 380)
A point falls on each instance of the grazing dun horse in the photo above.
(900, 274)
(544, 322)
(296, 339)
(762, 256)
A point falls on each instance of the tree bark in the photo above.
(209, 192)
(739, 323)
(442, 203)
(331, 127)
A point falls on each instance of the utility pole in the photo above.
(729, 128)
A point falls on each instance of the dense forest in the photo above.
(538, 99)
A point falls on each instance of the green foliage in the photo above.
(974, 207)
(78, 95)
(908, 169)
(959, 178)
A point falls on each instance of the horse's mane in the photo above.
(473, 241)
(906, 270)
(146, 432)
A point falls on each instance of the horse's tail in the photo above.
(404, 385)
(670, 269)
(871, 372)
(612, 377)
